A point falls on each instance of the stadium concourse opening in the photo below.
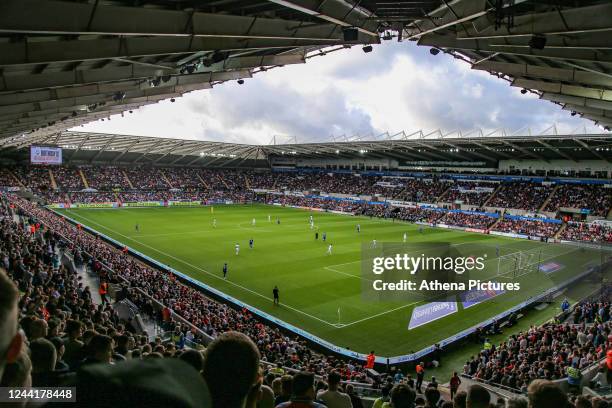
(413, 269)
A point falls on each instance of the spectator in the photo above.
(460, 400)
(286, 390)
(332, 397)
(402, 396)
(99, 350)
(193, 358)
(10, 339)
(231, 369)
(44, 358)
(545, 394)
(454, 383)
(384, 397)
(303, 392)
(355, 400)
(477, 397)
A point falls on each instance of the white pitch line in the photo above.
(380, 314)
(209, 273)
(329, 268)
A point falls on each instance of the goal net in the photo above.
(519, 263)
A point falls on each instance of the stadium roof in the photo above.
(561, 50)
(85, 147)
(68, 62)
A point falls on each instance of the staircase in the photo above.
(558, 233)
(85, 183)
(444, 193)
(203, 182)
(492, 195)
(16, 178)
(165, 178)
(609, 216)
(223, 181)
(497, 221)
(52, 178)
(550, 196)
(246, 182)
(127, 179)
(275, 183)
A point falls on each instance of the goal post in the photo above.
(517, 264)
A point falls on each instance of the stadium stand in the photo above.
(589, 197)
(182, 184)
(62, 324)
(524, 196)
(66, 63)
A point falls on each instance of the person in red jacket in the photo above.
(103, 291)
(455, 382)
(370, 360)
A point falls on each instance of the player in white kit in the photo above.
(237, 249)
(329, 249)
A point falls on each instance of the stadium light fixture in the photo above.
(523, 91)
(434, 51)
(240, 81)
(367, 49)
(537, 42)
(172, 99)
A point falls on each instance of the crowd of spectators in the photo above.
(105, 178)
(528, 227)
(467, 220)
(215, 185)
(579, 231)
(147, 178)
(7, 179)
(210, 316)
(352, 207)
(36, 178)
(68, 178)
(249, 364)
(594, 197)
(520, 195)
(551, 352)
(422, 190)
(469, 192)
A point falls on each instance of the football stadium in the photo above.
(202, 203)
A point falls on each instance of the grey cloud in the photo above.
(259, 104)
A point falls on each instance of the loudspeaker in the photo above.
(350, 34)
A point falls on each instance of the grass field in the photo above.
(313, 285)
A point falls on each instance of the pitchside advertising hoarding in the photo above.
(45, 155)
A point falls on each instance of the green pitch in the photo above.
(320, 293)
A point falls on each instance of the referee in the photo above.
(275, 294)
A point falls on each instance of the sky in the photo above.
(397, 87)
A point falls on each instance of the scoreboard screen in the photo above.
(45, 155)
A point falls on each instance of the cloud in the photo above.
(397, 87)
